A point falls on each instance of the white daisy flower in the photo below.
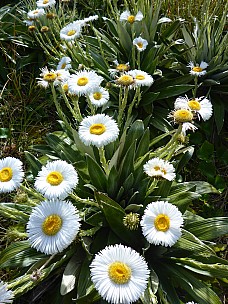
(52, 226)
(188, 126)
(99, 97)
(98, 130)
(119, 67)
(159, 168)
(84, 82)
(140, 43)
(56, 180)
(201, 106)
(64, 63)
(141, 78)
(198, 69)
(119, 274)
(161, 223)
(11, 174)
(62, 76)
(127, 16)
(6, 296)
(45, 3)
(71, 31)
(47, 76)
(36, 13)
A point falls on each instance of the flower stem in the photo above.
(77, 110)
(103, 160)
(82, 200)
(122, 106)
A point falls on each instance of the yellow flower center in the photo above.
(119, 273)
(54, 178)
(35, 12)
(45, 1)
(63, 66)
(122, 67)
(197, 69)
(6, 174)
(183, 115)
(157, 168)
(140, 77)
(52, 224)
(71, 33)
(194, 105)
(51, 76)
(163, 171)
(140, 45)
(82, 81)
(162, 222)
(125, 80)
(97, 129)
(97, 95)
(65, 87)
(131, 19)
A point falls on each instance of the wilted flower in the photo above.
(119, 274)
(98, 130)
(52, 226)
(119, 67)
(125, 80)
(140, 43)
(56, 180)
(161, 223)
(11, 174)
(127, 16)
(46, 77)
(196, 69)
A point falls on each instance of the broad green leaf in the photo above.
(210, 228)
(34, 163)
(191, 243)
(71, 272)
(114, 215)
(212, 270)
(198, 290)
(174, 90)
(96, 173)
(19, 254)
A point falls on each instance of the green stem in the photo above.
(92, 109)
(196, 86)
(138, 60)
(152, 186)
(74, 114)
(77, 110)
(122, 106)
(82, 200)
(103, 160)
(32, 192)
(137, 93)
(173, 141)
(58, 108)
